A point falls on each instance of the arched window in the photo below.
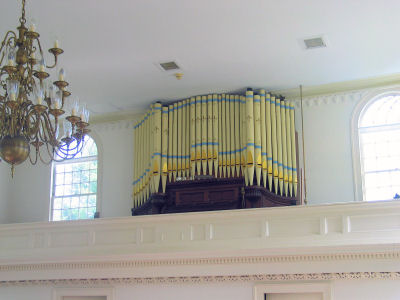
(74, 185)
(379, 141)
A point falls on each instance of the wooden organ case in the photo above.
(215, 152)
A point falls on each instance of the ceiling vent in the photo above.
(313, 43)
(169, 66)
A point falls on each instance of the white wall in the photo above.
(341, 290)
(5, 192)
(328, 148)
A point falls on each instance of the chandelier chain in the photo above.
(22, 19)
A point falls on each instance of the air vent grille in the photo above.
(317, 42)
(170, 65)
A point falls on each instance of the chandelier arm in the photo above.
(44, 132)
(33, 162)
(7, 39)
(40, 47)
(50, 155)
(55, 62)
(31, 120)
(48, 127)
(55, 55)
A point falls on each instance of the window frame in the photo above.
(77, 160)
(362, 106)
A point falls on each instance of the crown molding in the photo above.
(206, 279)
(116, 117)
(342, 87)
(113, 125)
(126, 264)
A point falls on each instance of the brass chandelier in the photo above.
(32, 107)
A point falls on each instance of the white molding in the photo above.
(323, 288)
(234, 260)
(333, 229)
(89, 282)
(365, 101)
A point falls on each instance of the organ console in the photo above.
(216, 151)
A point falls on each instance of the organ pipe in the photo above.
(249, 135)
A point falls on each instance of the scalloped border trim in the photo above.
(207, 279)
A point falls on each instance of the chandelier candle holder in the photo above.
(32, 107)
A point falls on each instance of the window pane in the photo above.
(75, 189)
(93, 187)
(83, 201)
(91, 212)
(74, 202)
(68, 178)
(85, 176)
(60, 169)
(57, 215)
(83, 213)
(92, 200)
(66, 203)
(84, 188)
(74, 214)
(59, 178)
(57, 204)
(59, 190)
(93, 175)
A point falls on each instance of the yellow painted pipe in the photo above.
(170, 139)
(157, 147)
(232, 134)
(198, 134)
(250, 135)
(268, 126)
(289, 150)
(263, 138)
(164, 147)
(175, 142)
(224, 136)
(284, 148)
(274, 144)
(244, 139)
(237, 136)
(220, 137)
(192, 137)
(279, 141)
(257, 137)
(209, 134)
(294, 159)
(215, 139)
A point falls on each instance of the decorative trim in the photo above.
(328, 99)
(207, 279)
(202, 261)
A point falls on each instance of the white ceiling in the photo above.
(111, 46)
